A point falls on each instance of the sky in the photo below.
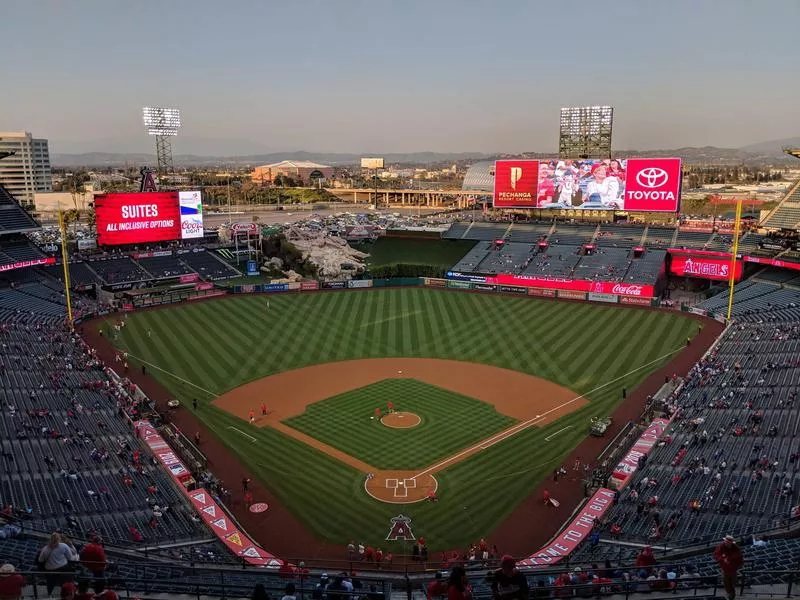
(379, 76)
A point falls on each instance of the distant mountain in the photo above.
(761, 153)
(108, 159)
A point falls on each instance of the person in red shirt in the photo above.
(264, 409)
(390, 406)
(458, 587)
(437, 587)
(93, 557)
(370, 554)
(729, 557)
(68, 590)
(546, 497)
(378, 412)
(11, 582)
(646, 558)
(378, 557)
(248, 499)
(251, 416)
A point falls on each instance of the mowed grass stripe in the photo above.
(450, 422)
(525, 334)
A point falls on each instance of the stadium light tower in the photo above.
(163, 123)
(585, 132)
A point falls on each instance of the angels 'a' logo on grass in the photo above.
(400, 529)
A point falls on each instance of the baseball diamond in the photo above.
(321, 363)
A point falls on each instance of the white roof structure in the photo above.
(295, 164)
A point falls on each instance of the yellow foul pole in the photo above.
(734, 252)
(65, 260)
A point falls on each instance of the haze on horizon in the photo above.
(380, 76)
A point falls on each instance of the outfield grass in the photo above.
(450, 422)
(412, 251)
(220, 345)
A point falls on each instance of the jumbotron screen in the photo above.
(139, 218)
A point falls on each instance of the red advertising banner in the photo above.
(137, 218)
(309, 285)
(50, 260)
(189, 278)
(628, 465)
(208, 509)
(690, 252)
(203, 285)
(705, 268)
(773, 262)
(573, 534)
(516, 183)
(577, 285)
(653, 184)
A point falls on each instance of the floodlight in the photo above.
(585, 131)
(161, 121)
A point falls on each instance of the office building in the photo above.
(27, 171)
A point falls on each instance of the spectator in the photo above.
(259, 592)
(458, 587)
(83, 592)
(337, 590)
(508, 583)
(55, 559)
(11, 583)
(729, 557)
(93, 557)
(437, 588)
(289, 592)
(646, 558)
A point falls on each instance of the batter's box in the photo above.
(391, 484)
(410, 484)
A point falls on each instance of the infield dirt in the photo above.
(530, 400)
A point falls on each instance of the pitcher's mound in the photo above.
(401, 420)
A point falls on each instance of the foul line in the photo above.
(504, 435)
(242, 432)
(555, 433)
(141, 360)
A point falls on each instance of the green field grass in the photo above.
(450, 422)
(219, 345)
(437, 253)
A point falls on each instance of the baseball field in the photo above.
(489, 394)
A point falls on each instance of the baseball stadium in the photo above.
(597, 398)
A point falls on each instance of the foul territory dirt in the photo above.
(530, 400)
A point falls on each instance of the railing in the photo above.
(543, 584)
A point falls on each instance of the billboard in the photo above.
(141, 217)
(705, 267)
(515, 183)
(576, 285)
(191, 215)
(371, 163)
(634, 184)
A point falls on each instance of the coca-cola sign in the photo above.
(627, 289)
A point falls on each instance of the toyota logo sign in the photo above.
(652, 177)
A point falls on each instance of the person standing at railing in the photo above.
(11, 583)
(729, 557)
